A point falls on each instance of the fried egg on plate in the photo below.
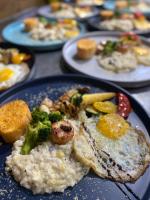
(12, 74)
(123, 159)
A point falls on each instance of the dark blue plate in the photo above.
(14, 33)
(90, 187)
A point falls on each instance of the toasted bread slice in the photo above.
(14, 119)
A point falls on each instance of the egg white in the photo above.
(123, 159)
(19, 74)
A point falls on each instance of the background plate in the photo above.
(90, 187)
(15, 34)
(87, 3)
(45, 11)
(136, 78)
(110, 5)
(94, 24)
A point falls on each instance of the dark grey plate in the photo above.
(45, 11)
(137, 78)
(94, 24)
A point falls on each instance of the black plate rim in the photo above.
(31, 64)
(78, 78)
(127, 84)
(91, 24)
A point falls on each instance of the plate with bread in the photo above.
(122, 58)
(90, 2)
(129, 6)
(72, 136)
(59, 10)
(117, 21)
(40, 33)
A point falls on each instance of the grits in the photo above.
(48, 168)
(118, 62)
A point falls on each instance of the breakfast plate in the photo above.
(94, 24)
(15, 33)
(141, 7)
(45, 11)
(90, 187)
(16, 65)
(90, 2)
(135, 78)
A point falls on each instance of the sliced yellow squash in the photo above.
(92, 98)
(106, 107)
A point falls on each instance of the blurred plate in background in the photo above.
(45, 11)
(15, 34)
(136, 78)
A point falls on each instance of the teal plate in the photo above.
(14, 33)
(110, 5)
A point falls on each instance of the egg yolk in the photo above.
(112, 126)
(141, 51)
(6, 74)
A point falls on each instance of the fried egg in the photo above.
(12, 74)
(122, 159)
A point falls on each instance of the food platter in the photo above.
(90, 3)
(30, 62)
(45, 11)
(135, 78)
(94, 24)
(14, 33)
(91, 187)
(111, 6)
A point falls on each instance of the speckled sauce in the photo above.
(90, 187)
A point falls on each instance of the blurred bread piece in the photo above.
(30, 23)
(14, 120)
(106, 14)
(86, 48)
(121, 4)
(55, 6)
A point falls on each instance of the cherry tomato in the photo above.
(124, 105)
(122, 48)
(138, 15)
(131, 36)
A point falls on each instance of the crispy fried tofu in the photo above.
(15, 117)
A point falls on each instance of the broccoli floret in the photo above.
(76, 99)
(44, 130)
(43, 20)
(37, 132)
(38, 115)
(55, 116)
(30, 140)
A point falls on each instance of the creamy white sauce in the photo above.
(48, 168)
